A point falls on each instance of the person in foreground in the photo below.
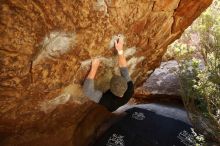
(121, 87)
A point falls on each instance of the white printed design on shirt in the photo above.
(186, 138)
(116, 140)
(138, 116)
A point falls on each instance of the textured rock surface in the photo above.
(46, 46)
(163, 81)
(162, 86)
(69, 124)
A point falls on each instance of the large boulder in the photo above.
(163, 81)
(161, 86)
(46, 49)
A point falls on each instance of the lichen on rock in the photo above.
(54, 45)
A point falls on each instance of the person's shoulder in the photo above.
(130, 83)
(107, 93)
(107, 98)
(130, 88)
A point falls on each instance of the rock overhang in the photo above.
(34, 73)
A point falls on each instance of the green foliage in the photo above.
(199, 68)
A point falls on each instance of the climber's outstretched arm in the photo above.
(121, 59)
(88, 86)
(119, 47)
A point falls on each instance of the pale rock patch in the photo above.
(50, 105)
(54, 45)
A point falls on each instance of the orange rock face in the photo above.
(46, 49)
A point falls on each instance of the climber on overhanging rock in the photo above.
(121, 87)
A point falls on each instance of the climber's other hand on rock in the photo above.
(94, 68)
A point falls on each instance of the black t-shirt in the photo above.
(112, 102)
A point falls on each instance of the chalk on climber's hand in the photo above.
(115, 38)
